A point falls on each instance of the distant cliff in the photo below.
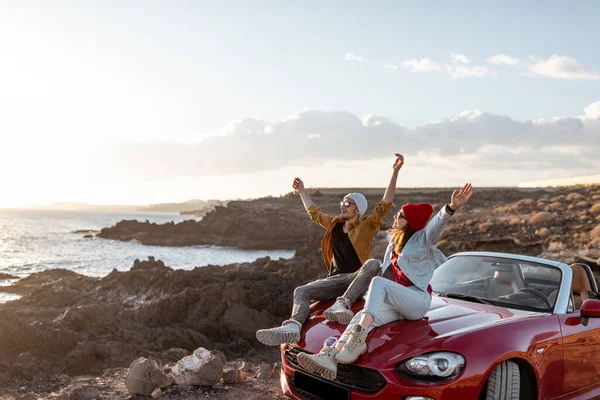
(198, 208)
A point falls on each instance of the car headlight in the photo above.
(434, 365)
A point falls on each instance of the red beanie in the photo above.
(417, 215)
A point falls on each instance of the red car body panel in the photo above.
(485, 335)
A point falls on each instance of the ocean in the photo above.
(38, 240)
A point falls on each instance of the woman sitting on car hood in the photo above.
(412, 255)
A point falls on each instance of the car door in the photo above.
(581, 352)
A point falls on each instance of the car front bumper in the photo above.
(299, 384)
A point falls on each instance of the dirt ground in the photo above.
(111, 385)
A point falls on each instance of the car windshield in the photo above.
(500, 281)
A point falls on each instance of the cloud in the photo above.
(561, 67)
(592, 112)
(422, 65)
(503, 59)
(475, 140)
(459, 58)
(457, 71)
(354, 57)
(459, 67)
(558, 67)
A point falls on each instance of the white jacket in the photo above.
(420, 256)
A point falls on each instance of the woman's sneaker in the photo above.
(339, 312)
(289, 332)
(323, 363)
(354, 347)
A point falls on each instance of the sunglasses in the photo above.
(346, 204)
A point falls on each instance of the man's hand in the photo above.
(460, 198)
(298, 185)
(399, 162)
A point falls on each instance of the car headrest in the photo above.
(581, 282)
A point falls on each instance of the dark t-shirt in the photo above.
(345, 259)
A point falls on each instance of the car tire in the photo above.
(504, 383)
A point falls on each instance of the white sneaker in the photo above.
(289, 332)
(354, 347)
(323, 363)
(339, 312)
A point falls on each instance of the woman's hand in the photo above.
(460, 198)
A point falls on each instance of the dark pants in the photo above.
(349, 286)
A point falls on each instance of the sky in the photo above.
(139, 102)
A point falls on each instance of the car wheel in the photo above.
(504, 383)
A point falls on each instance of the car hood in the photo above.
(446, 317)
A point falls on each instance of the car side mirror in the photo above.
(590, 309)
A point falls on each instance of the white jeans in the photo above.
(388, 301)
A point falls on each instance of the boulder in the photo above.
(525, 203)
(233, 375)
(265, 371)
(79, 392)
(540, 218)
(555, 206)
(595, 232)
(145, 376)
(544, 232)
(201, 368)
(574, 197)
(595, 209)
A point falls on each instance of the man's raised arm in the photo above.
(388, 196)
(298, 186)
(313, 211)
(383, 207)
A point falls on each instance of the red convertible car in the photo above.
(500, 326)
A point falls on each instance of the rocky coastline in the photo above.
(70, 328)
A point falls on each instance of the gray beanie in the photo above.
(360, 201)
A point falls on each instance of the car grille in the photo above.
(350, 376)
(308, 396)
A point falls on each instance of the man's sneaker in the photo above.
(323, 363)
(339, 312)
(354, 347)
(289, 332)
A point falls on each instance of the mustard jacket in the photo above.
(360, 233)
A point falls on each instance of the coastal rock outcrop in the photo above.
(202, 368)
(145, 376)
(234, 225)
(74, 324)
